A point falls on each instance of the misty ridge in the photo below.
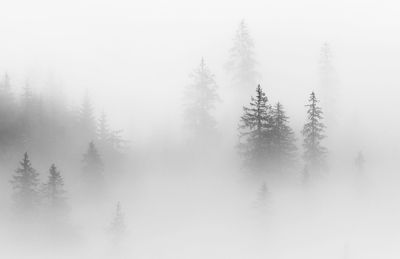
(244, 173)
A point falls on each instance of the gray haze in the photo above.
(193, 198)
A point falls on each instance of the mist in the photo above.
(212, 129)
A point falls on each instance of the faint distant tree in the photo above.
(25, 184)
(199, 102)
(93, 169)
(87, 123)
(8, 111)
(6, 94)
(263, 196)
(53, 190)
(117, 228)
(284, 146)
(242, 62)
(313, 134)
(255, 131)
(110, 140)
(327, 80)
(359, 162)
(103, 129)
(305, 176)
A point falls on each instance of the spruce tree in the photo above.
(242, 63)
(25, 184)
(53, 190)
(200, 101)
(103, 132)
(92, 168)
(327, 83)
(255, 131)
(313, 134)
(284, 147)
(87, 123)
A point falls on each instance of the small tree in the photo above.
(255, 130)
(93, 168)
(359, 162)
(313, 133)
(117, 228)
(53, 190)
(25, 183)
(284, 147)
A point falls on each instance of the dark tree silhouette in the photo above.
(199, 102)
(284, 146)
(313, 133)
(53, 190)
(25, 184)
(242, 63)
(255, 130)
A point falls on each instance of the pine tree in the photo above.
(327, 82)
(103, 132)
(54, 193)
(242, 63)
(25, 184)
(255, 130)
(283, 139)
(313, 133)
(92, 168)
(117, 228)
(262, 196)
(200, 100)
(87, 123)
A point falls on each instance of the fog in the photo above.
(162, 121)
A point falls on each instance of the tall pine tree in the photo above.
(242, 63)
(283, 139)
(25, 184)
(313, 134)
(200, 101)
(255, 131)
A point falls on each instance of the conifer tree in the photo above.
(25, 184)
(327, 82)
(117, 228)
(87, 123)
(255, 130)
(53, 190)
(92, 167)
(283, 139)
(242, 63)
(103, 131)
(262, 196)
(313, 134)
(359, 162)
(200, 100)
